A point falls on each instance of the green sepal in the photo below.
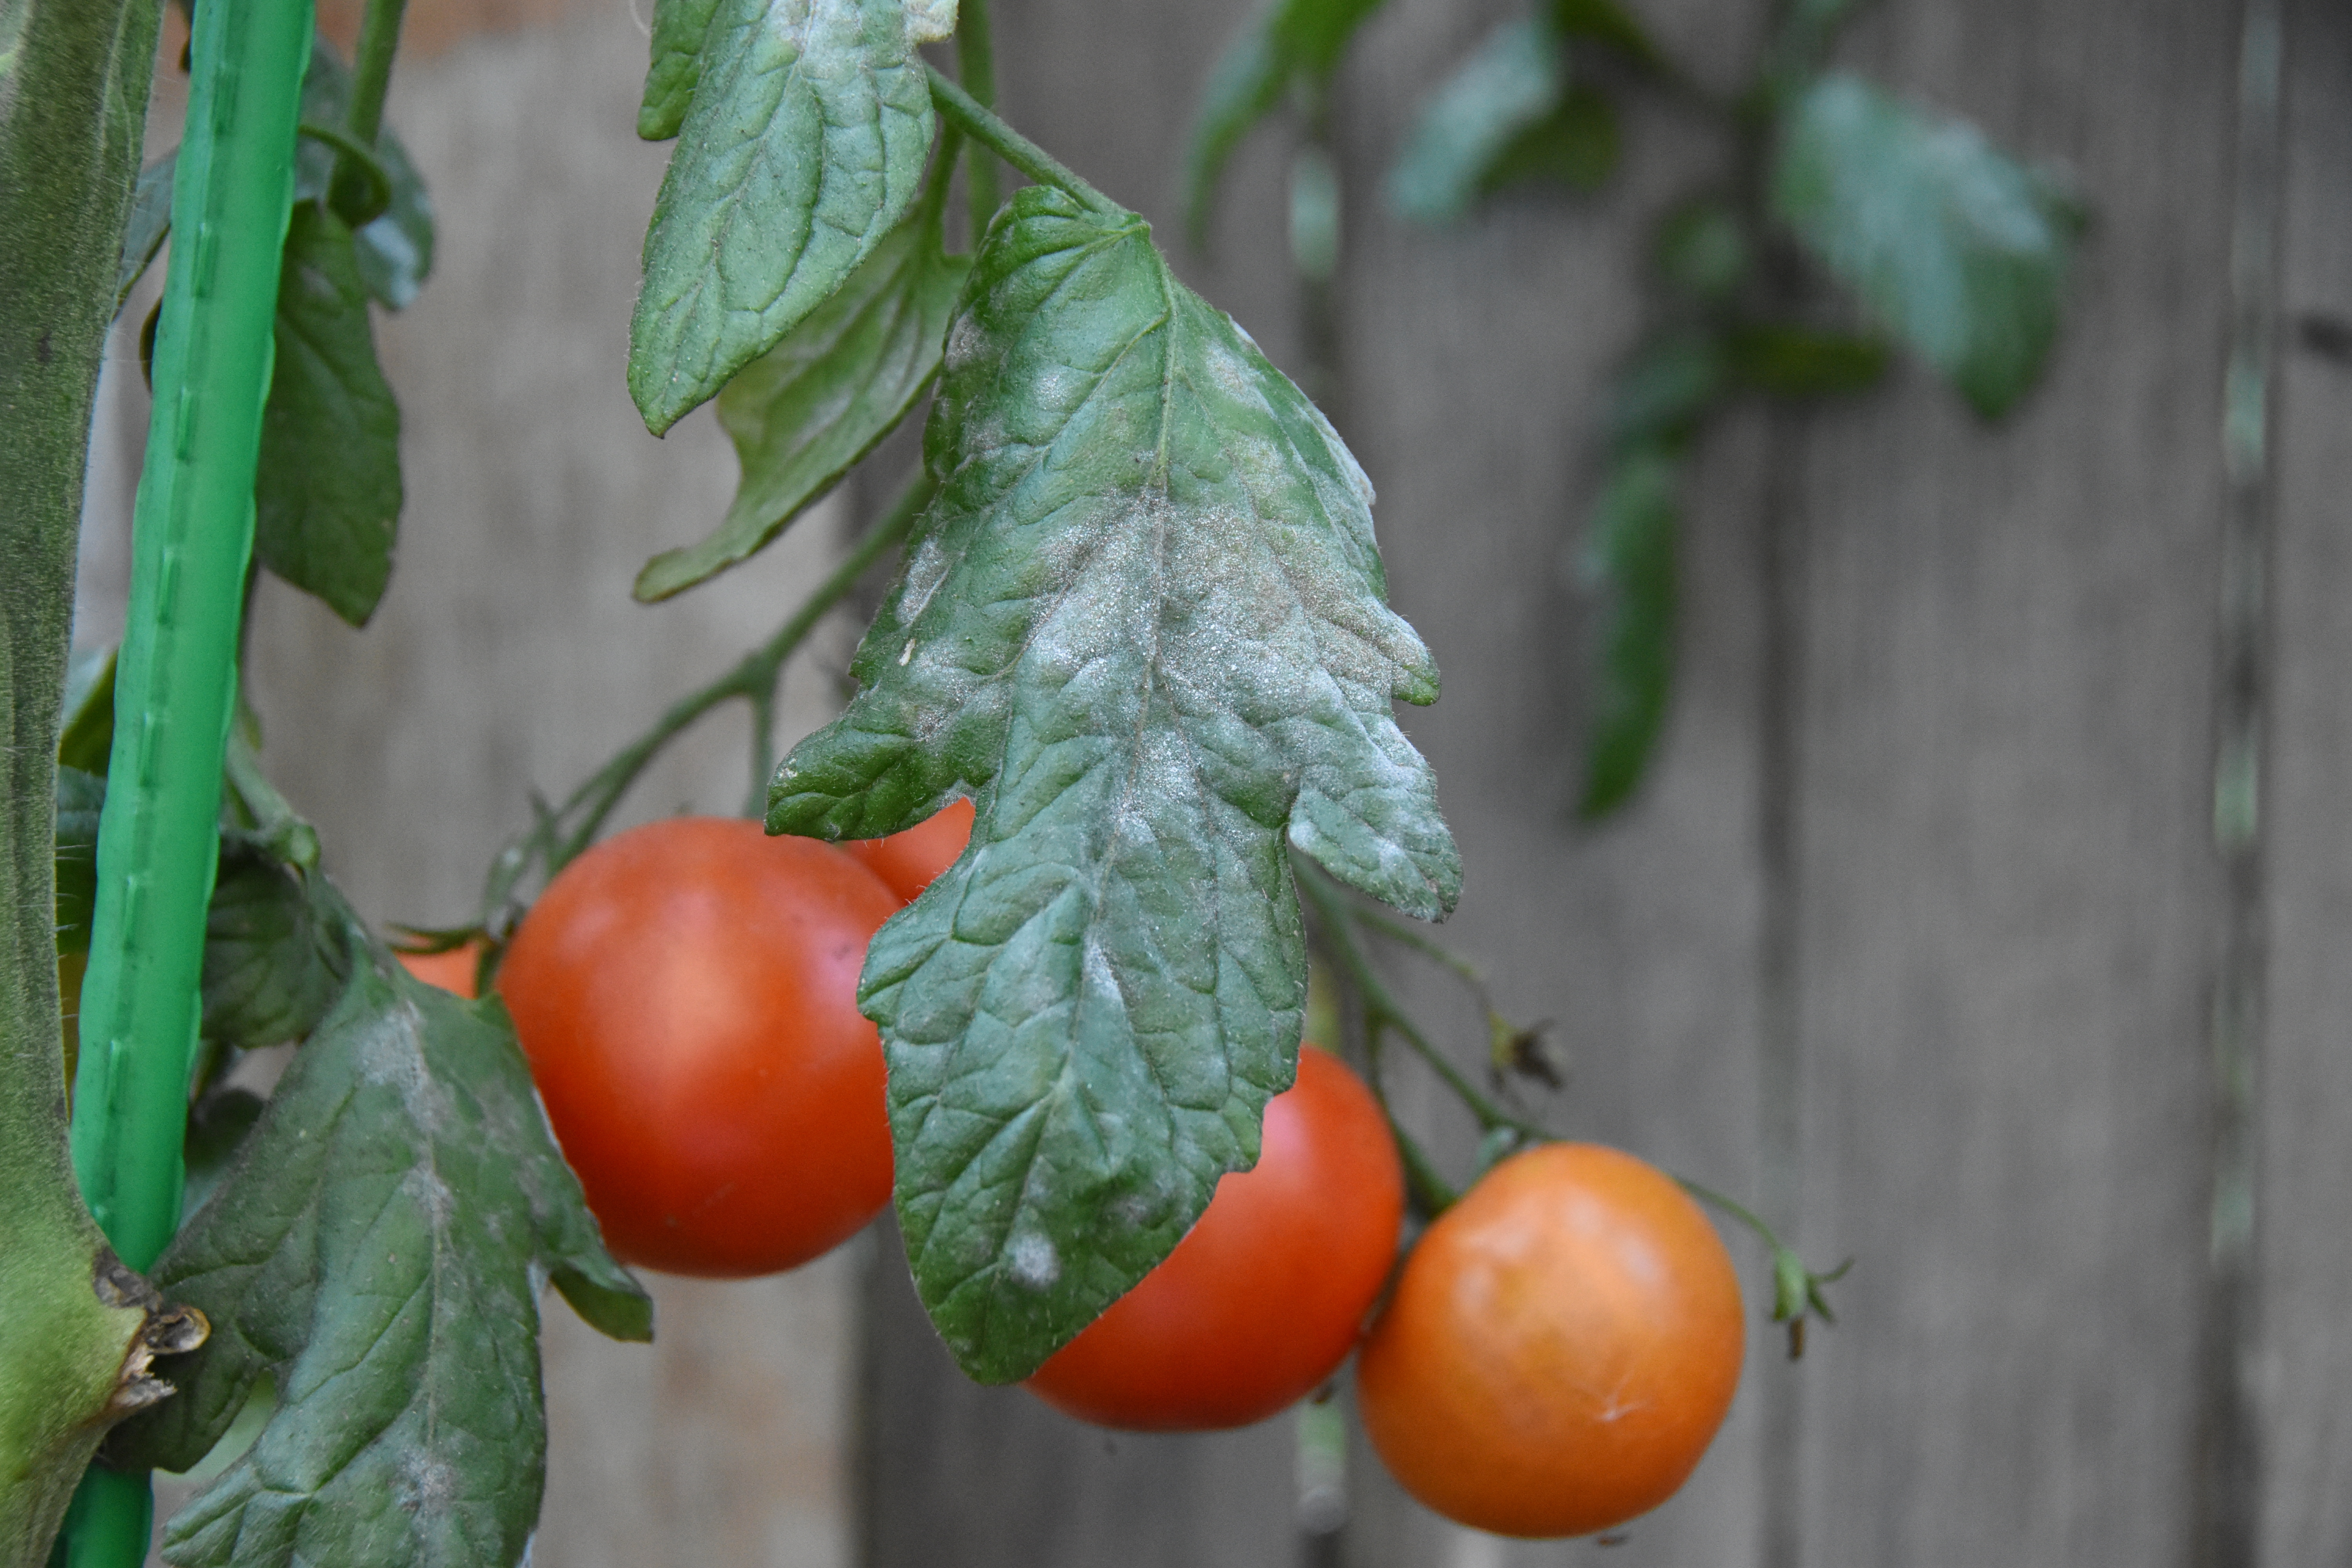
(808, 410)
(1143, 624)
(1629, 562)
(1960, 251)
(378, 1248)
(679, 28)
(803, 145)
(327, 490)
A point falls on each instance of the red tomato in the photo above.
(452, 971)
(1264, 1297)
(910, 861)
(1560, 1349)
(686, 992)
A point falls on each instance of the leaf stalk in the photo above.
(976, 64)
(982, 125)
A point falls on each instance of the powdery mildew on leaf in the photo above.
(803, 143)
(1143, 624)
(378, 1249)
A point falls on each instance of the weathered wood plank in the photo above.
(2008, 879)
(2306, 1158)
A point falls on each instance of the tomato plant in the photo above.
(1560, 1347)
(686, 992)
(1264, 1297)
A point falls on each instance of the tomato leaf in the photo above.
(273, 959)
(395, 248)
(327, 493)
(806, 412)
(1959, 249)
(1607, 21)
(1576, 144)
(801, 146)
(1629, 562)
(679, 28)
(1798, 362)
(150, 221)
(377, 1248)
(1514, 81)
(1143, 624)
(80, 797)
(1286, 41)
(1671, 384)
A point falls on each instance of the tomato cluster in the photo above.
(1554, 1354)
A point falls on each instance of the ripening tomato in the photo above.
(1266, 1294)
(1560, 1349)
(909, 861)
(452, 971)
(686, 992)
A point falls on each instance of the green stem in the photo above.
(562, 833)
(976, 64)
(983, 126)
(371, 185)
(1338, 920)
(371, 83)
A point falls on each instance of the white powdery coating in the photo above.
(1032, 1260)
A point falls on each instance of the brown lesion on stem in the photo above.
(167, 1329)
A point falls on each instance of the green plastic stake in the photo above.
(176, 680)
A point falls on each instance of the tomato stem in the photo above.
(371, 82)
(1797, 1292)
(560, 834)
(982, 125)
(976, 64)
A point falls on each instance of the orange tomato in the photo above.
(1560, 1347)
(910, 861)
(1266, 1294)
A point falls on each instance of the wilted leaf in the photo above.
(378, 1248)
(1958, 248)
(1514, 81)
(1143, 624)
(1284, 42)
(806, 412)
(327, 491)
(803, 145)
(679, 28)
(1630, 564)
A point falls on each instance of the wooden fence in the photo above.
(1984, 918)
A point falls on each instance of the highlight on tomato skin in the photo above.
(1561, 1348)
(912, 860)
(685, 994)
(1264, 1297)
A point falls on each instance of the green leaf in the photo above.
(806, 412)
(1703, 250)
(803, 146)
(1143, 624)
(1576, 144)
(679, 28)
(151, 220)
(1286, 40)
(1797, 362)
(1607, 21)
(395, 249)
(274, 955)
(1630, 562)
(217, 1124)
(80, 797)
(1671, 384)
(328, 493)
(1512, 83)
(87, 737)
(1959, 249)
(377, 1248)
